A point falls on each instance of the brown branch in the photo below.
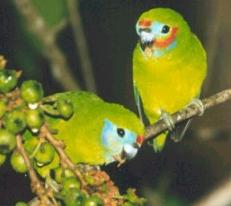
(59, 66)
(219, 196)
(153, 130)
(36, 184)
(64, 158)
(81, 44)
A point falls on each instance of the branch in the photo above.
(152, 131)
(220, 196)
(81, 44)
(59, 66)
(64, 158)
(36, 185)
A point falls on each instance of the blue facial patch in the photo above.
(115, 139)
(157, 28)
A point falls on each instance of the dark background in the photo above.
(183, 172)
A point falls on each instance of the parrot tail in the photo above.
(159, 142)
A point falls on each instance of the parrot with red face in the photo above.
(169, 67)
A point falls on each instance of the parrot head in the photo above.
(161, 30)
(119, 142)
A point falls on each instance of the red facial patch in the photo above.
(140, 139)
(145, 23)
(165, 42)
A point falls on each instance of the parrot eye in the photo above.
(165, 29)
(120, 132)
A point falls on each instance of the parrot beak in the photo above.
(130, 151)
(147, 41)
(146, 44)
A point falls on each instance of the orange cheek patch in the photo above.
(162, 43)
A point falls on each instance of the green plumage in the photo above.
(82, 132)
(170, 76)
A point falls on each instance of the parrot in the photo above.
(169, 67)
(98, 132)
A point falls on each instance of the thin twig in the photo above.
(64, 158)
(81, 44)
(47, 37)
(153, 130)
(36, 184)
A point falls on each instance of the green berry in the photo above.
(72, 197)
(30, 144)
(18, 163)
(93, 201)
(65, 108)
(45, 170)
(32, 91)
(21, 204)
(61, 174)
(3, 107)
(71, 182)
(7, 141)
(68, 173)
(34, 118)
(15, 121)
(8, 80)
(2, 159)
(45, 154)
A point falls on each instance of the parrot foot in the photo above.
(199, 105)
(178, 134)
(119, 159)
(168, 120)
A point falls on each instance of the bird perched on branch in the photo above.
(169, 66)
(98, 132)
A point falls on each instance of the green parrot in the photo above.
(98, 132)
(169, 66)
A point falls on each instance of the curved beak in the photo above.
(130, 151)
(143, 28)
(146, 37)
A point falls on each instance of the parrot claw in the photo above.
(177, 137)
(199, 105)
(119, 159)
(168, 120)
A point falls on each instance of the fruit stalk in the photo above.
(65, 160)
(36, 184)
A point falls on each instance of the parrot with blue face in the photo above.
(98, 132)
(169, 67)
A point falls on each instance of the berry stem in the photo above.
(36, 184)
(65, 160)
